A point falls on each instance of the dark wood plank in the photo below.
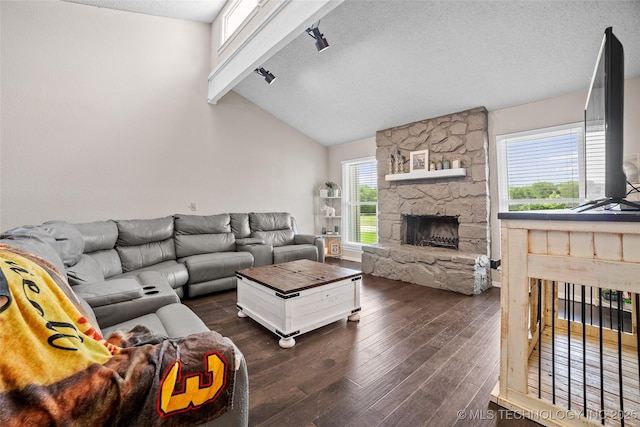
(416, 357)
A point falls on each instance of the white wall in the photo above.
(551, 112)
(104, 115)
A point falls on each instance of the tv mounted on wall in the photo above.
(606, 182)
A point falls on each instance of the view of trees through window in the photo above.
(361, 201)
(544, 190)
(542, 168)
(368, 214)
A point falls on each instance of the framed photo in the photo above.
(419, 160)
(335, 249)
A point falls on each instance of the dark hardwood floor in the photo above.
(418, 356)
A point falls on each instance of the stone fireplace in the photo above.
(435, 231)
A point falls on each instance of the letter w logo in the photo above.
(196, 389)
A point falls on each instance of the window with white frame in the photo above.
(541, 168)
(235, 16)
(360, 202)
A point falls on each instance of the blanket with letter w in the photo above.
(57, 369)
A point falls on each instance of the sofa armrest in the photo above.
(111, 292)
(304, 239)
(319, 242)
(311, 239)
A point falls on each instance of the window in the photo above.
(235, 16)
(360, 202)
(541, 169)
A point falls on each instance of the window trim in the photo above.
(226, 37)
(501, 154)
(348, 245)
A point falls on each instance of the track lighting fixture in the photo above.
(321, 42)
(266, 74)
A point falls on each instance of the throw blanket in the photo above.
(57, 369)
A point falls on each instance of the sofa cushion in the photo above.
(139, 256)
(276, 237)
(273, 227)
(145, 242)
(173, 321)
(85, 271)
(111, 292)
(174, 273)
(202, 224)
(204, 243)
(109, 261)
(98, 235)
(240, 225)
(140, 231)
(205, 267)
(196, 234)
(69, 241)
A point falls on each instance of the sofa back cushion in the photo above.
(98, 235)
(85, 271)
(69, 242)
(99, 244)
(197, 234)
(240, 225)
(145, 242)
(272, 227)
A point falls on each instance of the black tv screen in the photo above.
(604, 153)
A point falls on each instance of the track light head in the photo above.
(321, 42)
(269, 78)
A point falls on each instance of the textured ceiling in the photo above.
(391, 62)
(394, 62)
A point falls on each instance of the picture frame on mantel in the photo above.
(419, 160)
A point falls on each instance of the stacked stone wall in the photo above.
(462, 136)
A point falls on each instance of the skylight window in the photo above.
(236, 16)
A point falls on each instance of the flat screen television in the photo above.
(606, 182)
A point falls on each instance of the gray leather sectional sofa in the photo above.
(134, 272)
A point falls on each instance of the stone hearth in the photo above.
(461, 136)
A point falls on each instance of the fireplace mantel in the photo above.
(443, 173)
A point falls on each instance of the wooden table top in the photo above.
(297, 275)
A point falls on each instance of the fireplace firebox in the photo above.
(430, 230)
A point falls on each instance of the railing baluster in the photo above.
(584, 350)
(620, 326)
(569, 316)
(591, 305)
(573, 301)
(539, 338)
(601, 361)
(553, 342)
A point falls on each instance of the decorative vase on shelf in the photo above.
(324, 193)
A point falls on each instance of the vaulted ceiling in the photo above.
(391, 62)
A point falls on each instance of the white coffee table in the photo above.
(296, 297)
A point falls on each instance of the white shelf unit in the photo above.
(329, 226)
(442, 173)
